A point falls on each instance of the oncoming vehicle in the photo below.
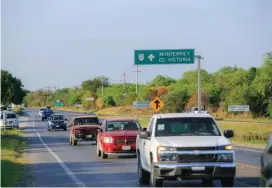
(83, 128)
(117, 137)
(45, 114)
(185, 146)
(9, 120)
(57, 121)
(41, 110)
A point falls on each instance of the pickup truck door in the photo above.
(146, 147)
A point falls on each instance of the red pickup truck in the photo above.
(117, 137)
(83, 128)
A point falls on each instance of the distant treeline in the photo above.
(227, 86)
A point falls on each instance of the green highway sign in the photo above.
(59, 103)
(164, 57)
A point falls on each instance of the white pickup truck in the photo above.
(185, 146)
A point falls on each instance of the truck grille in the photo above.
(125, 141)
(185, 158)
(195, 148)
(90, 131)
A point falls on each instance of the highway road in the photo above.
(55, 163)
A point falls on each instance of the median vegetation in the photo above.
(12, 158)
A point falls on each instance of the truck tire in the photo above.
(207, 183)
(74, 142)
(103, 155)
(42, 119)
(227, 182)
(65, 129)
(143, 175)
(154, 181)
(98, 152)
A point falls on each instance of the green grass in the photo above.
(12, 159)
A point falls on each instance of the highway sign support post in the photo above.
(198, 83)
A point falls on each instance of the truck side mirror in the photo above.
(228, 133)
(144, 135)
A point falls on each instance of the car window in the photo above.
(186, 127)
(86, 121)
(42, 109)
(56, 117)
(123, 125)
(10, 116)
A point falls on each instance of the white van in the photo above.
(9, 120)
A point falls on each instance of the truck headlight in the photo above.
(225, 147)
(166, 156)
(225, 157)
(108, 140)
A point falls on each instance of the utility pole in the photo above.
(137, 82)
(198, 82)
(137, 79)
(48, 90)
(124, 75)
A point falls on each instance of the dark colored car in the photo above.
(57, 121)
(45, 114)
(83, 128)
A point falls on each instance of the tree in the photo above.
(162, 81)
(11, 89)
(93, 84)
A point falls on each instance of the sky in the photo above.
(63, 42)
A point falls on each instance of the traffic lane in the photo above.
(84, 164)
(38, 159)
(246, 157)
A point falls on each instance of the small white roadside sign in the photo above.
(89, 99)
(238, 108)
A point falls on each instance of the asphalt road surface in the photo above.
(56, 163)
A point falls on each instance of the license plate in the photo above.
(126, 148)
(198, 168)
(57, 126)
(89, 136)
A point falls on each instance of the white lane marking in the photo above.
(62, 164)
(119, 182)
(252, 150)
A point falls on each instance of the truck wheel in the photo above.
(49, 129)
(70, 140)
(42, 119)
(154, 182)
(207, 183)
(103, 155)
(227, 182)
(143, 176)
(98, 152)
(74, 142)
(65, 129)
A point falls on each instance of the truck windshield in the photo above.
(10, 116)
(86, 121)
(123, 125)
(186, 127)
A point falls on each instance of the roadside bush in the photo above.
(17, 110)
